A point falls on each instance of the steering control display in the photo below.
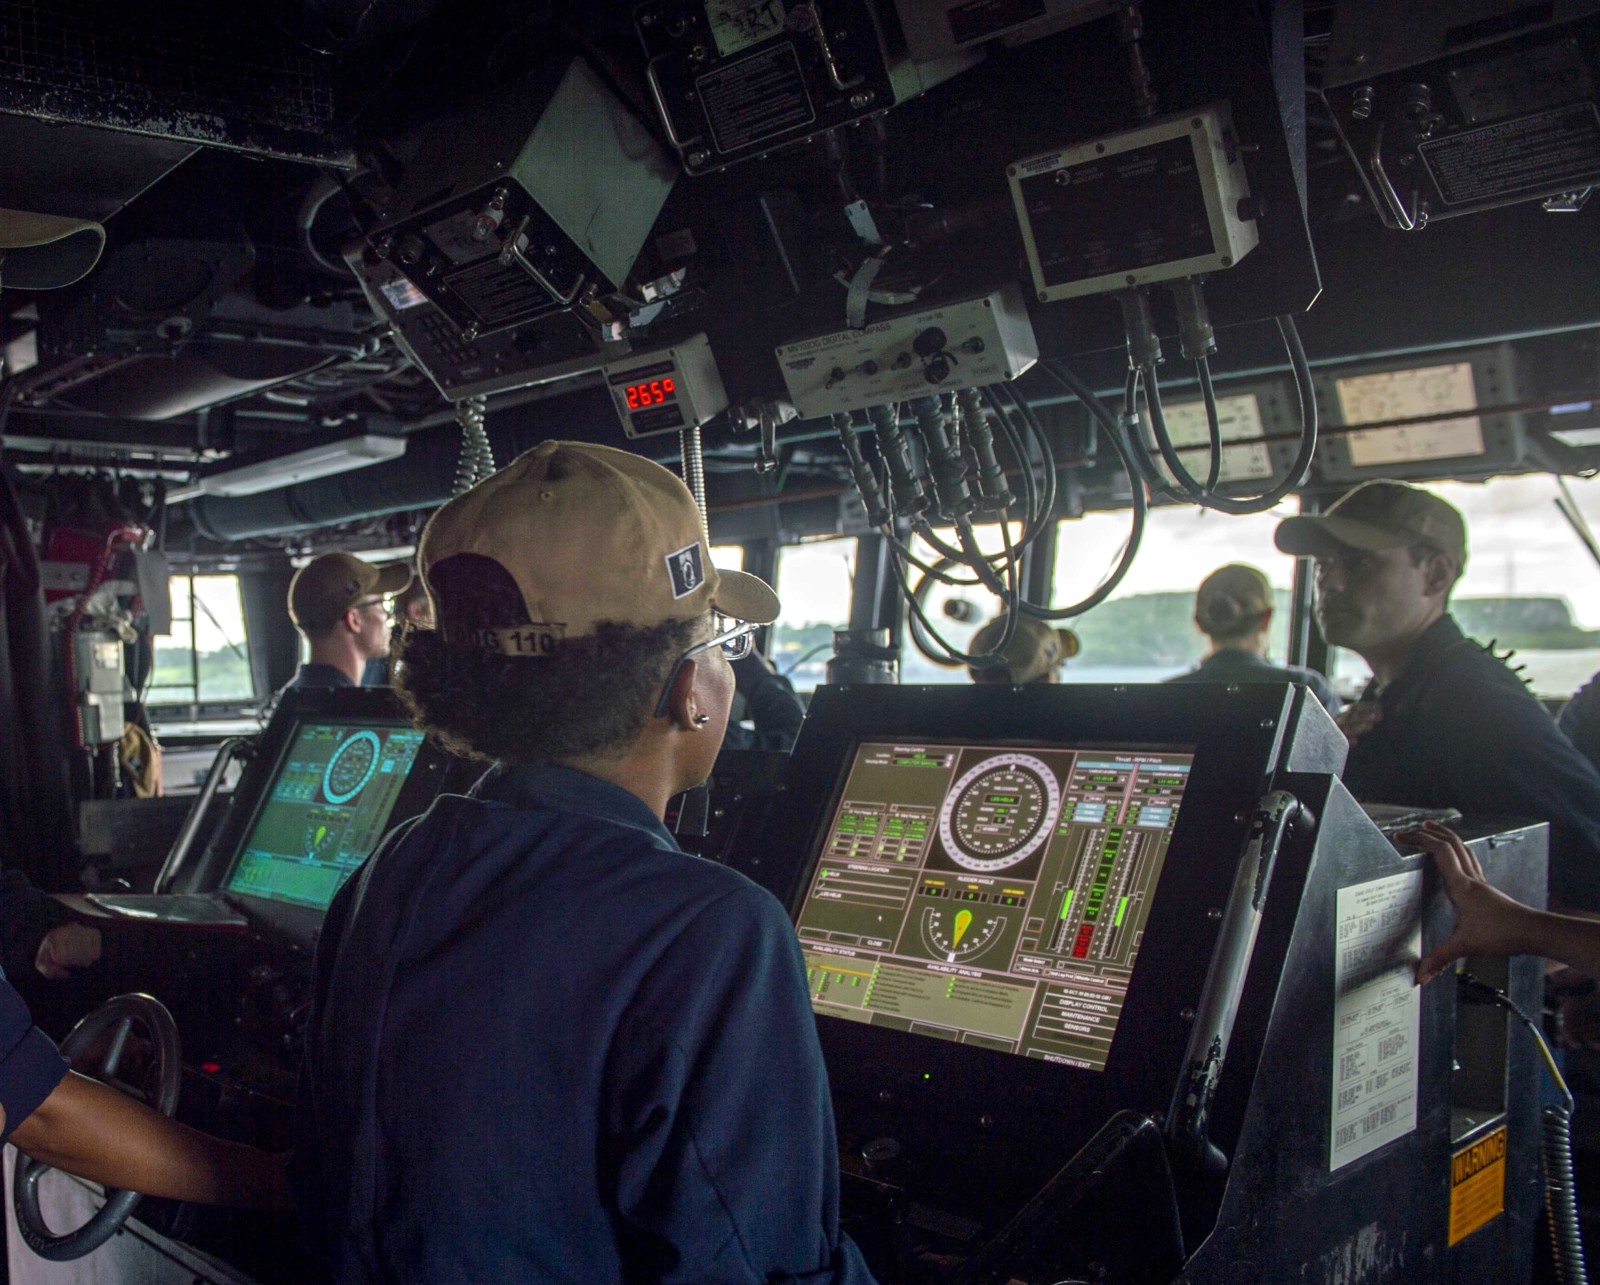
(992, 895)
(326, 808)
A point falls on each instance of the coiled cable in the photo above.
(477, 456)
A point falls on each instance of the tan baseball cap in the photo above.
(590, 535)
(1378, 516)
(43, 251)
(328, 586)
(1231, 597)
(1034, 651)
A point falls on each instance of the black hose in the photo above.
(1208, 394)
(1296, 474)
(1079, 389)
(1561, 1195)
(1035, 515)
(919, 638)
(1047, 461)
(984, 660)
(974, 556)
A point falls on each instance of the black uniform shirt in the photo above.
(1232, 665)
(316, 674)
(1459, 730)
(1580, 720)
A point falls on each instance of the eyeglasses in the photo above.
(386, 606)
(735, 638)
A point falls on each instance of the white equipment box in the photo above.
(1167, 200)
(969, 344)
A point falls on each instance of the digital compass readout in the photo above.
(351, 767)
(999, 813)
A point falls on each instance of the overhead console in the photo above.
(1122, 976)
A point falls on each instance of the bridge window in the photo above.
(813, 581)
(727, 557)
(1145, 631)
(1530, 585)
(206, 657)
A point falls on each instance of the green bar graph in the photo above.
(1122, 909)
(1066, 904)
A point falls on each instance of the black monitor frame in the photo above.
(1238, 735)
(432, 773)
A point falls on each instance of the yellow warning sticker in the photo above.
(1477, 1185)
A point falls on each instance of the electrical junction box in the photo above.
(540, 350)
(969, 344)
(935, 28)
(1167, 200)
(733, 79)
(535, 200)
(660, 392)
(101, 686)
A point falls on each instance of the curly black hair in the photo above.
(588, 696)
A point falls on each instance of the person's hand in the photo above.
(1487, 921)
(1355, 721)
(66, 947)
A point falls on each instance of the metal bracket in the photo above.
(1187, 1118)
(1386, 189)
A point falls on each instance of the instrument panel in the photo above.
(990, 895)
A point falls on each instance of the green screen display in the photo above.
(326, 809)
(994, 896)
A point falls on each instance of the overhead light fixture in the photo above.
(378, 557)
(298, 466)
(1577, 438)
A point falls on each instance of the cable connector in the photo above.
(993, 494)
(1195, 334)
(866, 480)
(906, 490)
(948, 469)
(1144, 345)
(1473, 991)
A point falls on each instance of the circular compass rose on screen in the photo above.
(999, 813)
(351, 767)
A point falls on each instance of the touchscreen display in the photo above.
(326, 809)
(992, 895)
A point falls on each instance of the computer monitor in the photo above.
(1093, 836)
(326, 807)
(990, 894)
(335, 770)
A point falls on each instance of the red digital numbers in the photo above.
(652, 393)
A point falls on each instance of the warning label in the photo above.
(755, 99)
(1477, 1185)
(1530, 156)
